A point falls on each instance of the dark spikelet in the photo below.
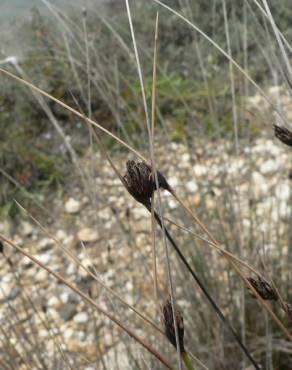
(140, 182)
(1, 247)
(169, 324)
(283, 134)
(264, 289)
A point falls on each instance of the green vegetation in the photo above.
(190, 100)
(87, 61)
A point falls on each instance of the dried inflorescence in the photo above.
(263, 288)
(283, 134)
(140, 182)
(168, 323)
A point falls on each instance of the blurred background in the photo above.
(214, 142)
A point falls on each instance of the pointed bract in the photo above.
(263, 288)
(168, 323)
(283, 134)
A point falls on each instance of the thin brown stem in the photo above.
(153, 121)
(64, 105)
(89, 300)
(229, 258)
(94, 276)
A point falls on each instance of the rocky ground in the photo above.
(110, 234)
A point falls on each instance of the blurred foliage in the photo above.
(191, 101)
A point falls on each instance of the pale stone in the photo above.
(26, 228)
(53, 313)
(140, 212)
(108, 339)
(192, 187)
(5, 289)
(260, 187)
(282, 191)
(18, 240)
(129, 286)
(196, 200)
(275, 91)
(45, 258)
(246, 223)
(284, 211)
(68, 333)
(68, 240)
(61, 235)
(81, 318)
(54, 302)
(269, 167)
(87, 235)
(72, 206)
(235, 167)
(257, 101)
(42, 275)
(45, 243)
(27, 262)
(71, 269)
(43, 333)
(173, 181)
(267, 146)
(172, 204)
(65, 297)
(200, 170)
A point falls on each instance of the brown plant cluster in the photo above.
(263, 288)
(169, 327)
(283, 134)
(140, 181)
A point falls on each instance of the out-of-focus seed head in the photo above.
(263, 288)
(169, 329)
(140, 182)
(283, 134)
(84, 12)
(1, 247)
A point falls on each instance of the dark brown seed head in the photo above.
(263, 288)
(169, 324)
(283, 134)
(1, 247)
(140, 182)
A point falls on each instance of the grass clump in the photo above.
(196, 106)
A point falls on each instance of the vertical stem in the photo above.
(153, 121)
(187, 361)
(154, 263)
(207, 295)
